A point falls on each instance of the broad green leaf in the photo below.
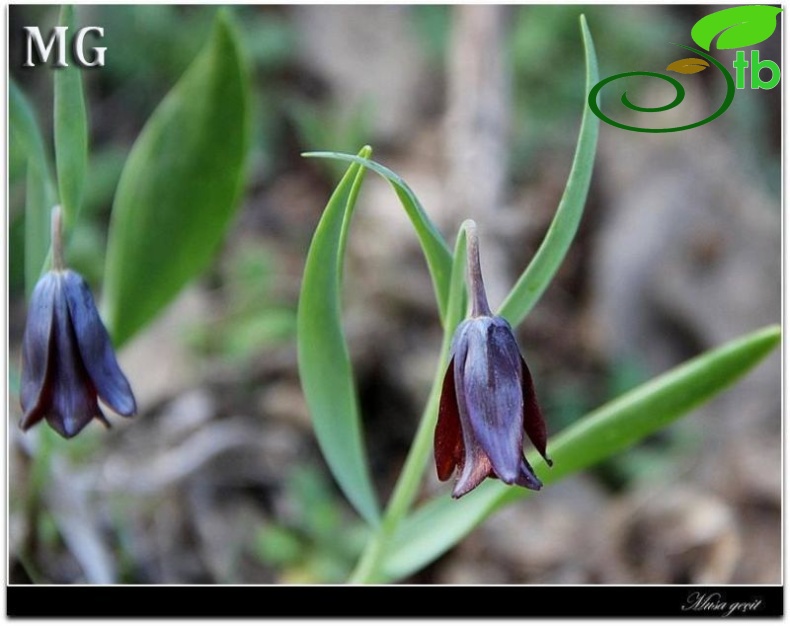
(435, 248)
(180, 186)
(38, 205)
(71, 130)
(324, 363)
(690, 65)
(612, 428)
(739, 27)
(547, 260)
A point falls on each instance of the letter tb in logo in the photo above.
(57, 41)
(756, 82)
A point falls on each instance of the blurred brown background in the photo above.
(219, 479)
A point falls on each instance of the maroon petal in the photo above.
(95, 347)
(476, 468)
(448, 444)
(534, 424)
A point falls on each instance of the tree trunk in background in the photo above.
(476, 132)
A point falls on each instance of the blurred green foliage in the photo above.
(320, 125)
(316, 544)
(124, 93)
(256, 317)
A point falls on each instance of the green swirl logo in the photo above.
(736, 27)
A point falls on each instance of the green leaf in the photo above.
(437, 253)
(324, 362)
(547, 260)
(40, 192)
(612, 428)
(38, 205)
(739, 27)
(71, 131)
(180, 186)
(457, 296)
(26, 130)
(410, 479)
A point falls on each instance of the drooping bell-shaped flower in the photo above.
(68, 360)
(488, 400)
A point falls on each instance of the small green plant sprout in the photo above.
(404, 536)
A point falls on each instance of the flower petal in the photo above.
(36, 351)
(526, 477)
(534, 424)
(73, 402)
(476, 468)
(491, 381)
(95, 347)
(448, 443)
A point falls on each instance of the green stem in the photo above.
(408, 484)
(369, 565)
(57, 239)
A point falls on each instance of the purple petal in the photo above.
(448, 444)
(95, 347)
(474, 465)
(34, 392)
(526, 477)
(73, 402)
(491, 383)
(534, 424)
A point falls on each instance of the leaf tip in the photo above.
(583, 23)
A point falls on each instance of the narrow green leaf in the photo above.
(437, 252)
(547, 260)
(38, 204)
(612, 428)
(180, 186)
(40, 192)
(324, 362)
(24, 126)
(71, 130)
(457, 296)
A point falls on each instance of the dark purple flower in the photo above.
(488, 400)
(67, 358)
